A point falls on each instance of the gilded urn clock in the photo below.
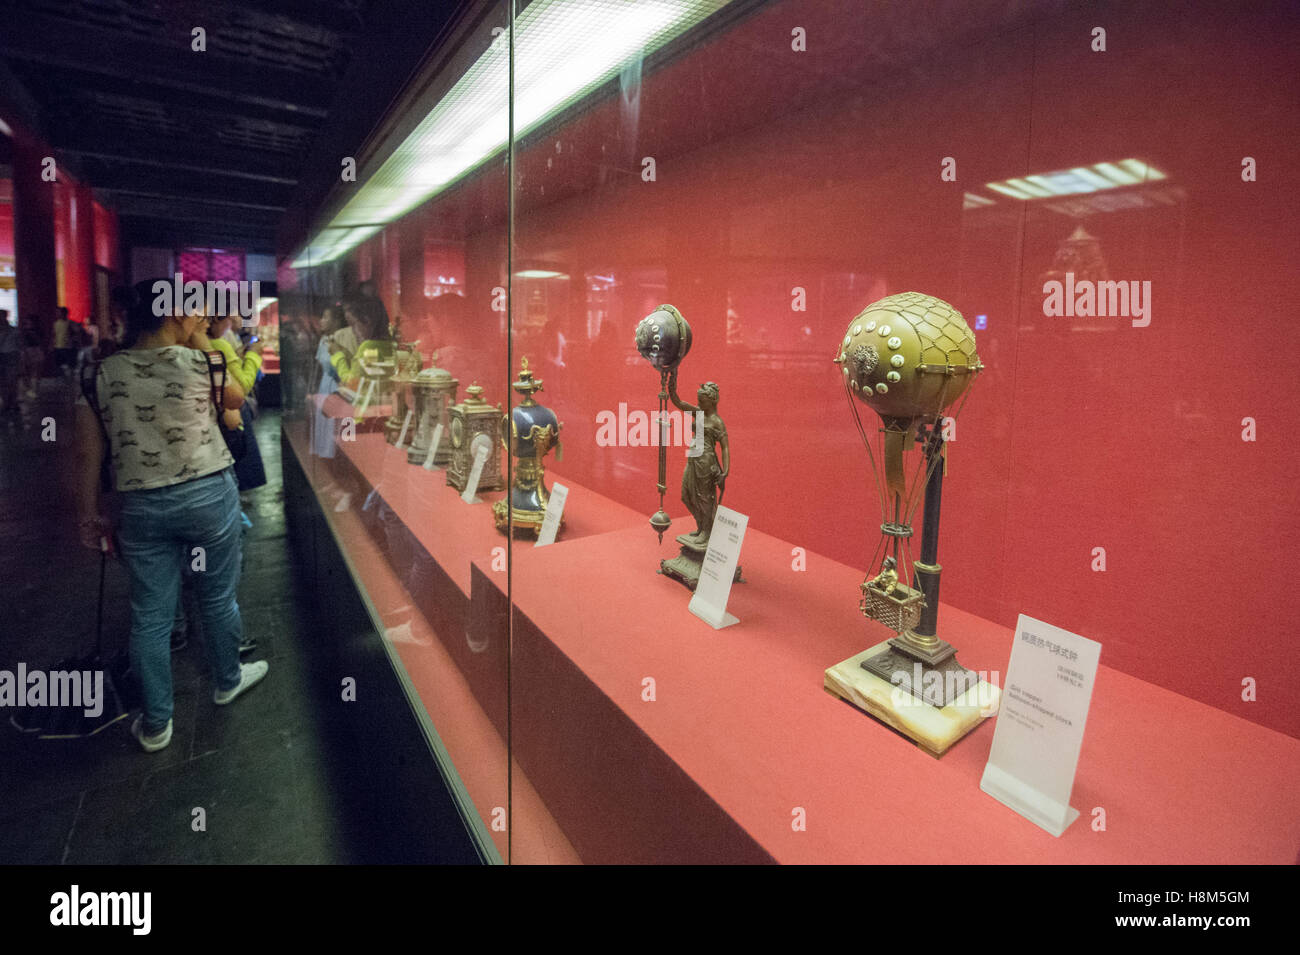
(475, 423)
(433, 392)
(534, 430)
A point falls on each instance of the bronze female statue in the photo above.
(705, 478)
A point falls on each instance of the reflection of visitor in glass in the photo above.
(332, 328)
(704, 479)
(367, 320)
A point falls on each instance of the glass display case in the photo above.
(1102, 195)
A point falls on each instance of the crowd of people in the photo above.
(23, 356)
(25, 352)
(165, 447)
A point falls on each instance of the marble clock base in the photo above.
(934, 729)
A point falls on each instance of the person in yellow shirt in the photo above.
(368, 321)
(242, 368)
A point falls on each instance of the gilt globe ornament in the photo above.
(663, 338)
(908, 356)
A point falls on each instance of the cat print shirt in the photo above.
(157, 408)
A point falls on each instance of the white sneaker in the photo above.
(151, 744)
(249, 674)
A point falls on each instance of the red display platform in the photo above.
(335, 406)
(520, 825)
(431, 537)
(740, 739)
(741, 715)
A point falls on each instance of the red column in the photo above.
(79, 266)
(34, 272)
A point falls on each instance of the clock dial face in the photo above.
(481, 441)
(457, 432)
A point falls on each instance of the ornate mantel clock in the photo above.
(534, 430)
(433, 392)
(911, 359)
(475, 423)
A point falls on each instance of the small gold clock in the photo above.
(469, 419)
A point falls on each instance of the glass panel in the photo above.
(770, 170)
(392, 319)
(868, 216)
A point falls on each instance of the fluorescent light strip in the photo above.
(1117, 176)
(1141, 169)
(1079, 180)
(1007, 190)
(564, 49)
(1025, 186)
(1091, 178)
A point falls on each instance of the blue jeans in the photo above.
(160, 528)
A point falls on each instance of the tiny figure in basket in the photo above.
(887, 580)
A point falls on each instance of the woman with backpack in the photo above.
(155, 413)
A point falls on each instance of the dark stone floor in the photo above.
(275, 772)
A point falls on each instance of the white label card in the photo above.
(554, 511)
(433, 448)
(1040, 723)
(476, 472)
(365, 393)
(719, 568)
(406, 424)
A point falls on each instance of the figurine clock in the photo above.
(663, 339)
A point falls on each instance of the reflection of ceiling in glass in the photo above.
(1081, 179)
(1084, 190)
(564, 49)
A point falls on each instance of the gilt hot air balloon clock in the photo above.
(910, 359)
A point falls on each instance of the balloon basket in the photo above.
(899, 611)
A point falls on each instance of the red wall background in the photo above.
(821, 170)
(6, 217)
